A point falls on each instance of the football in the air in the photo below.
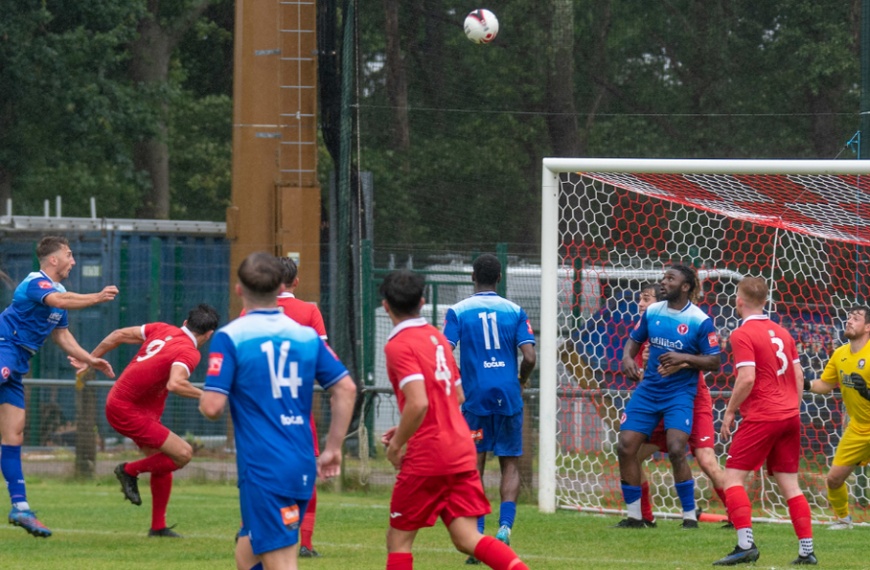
(481, 26)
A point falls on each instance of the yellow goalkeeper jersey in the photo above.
(842, 364)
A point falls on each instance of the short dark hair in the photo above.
(689, 276)
(403, 290)
(203, 318)
(261, 273)
(863, 308)
(290, 270)
(49, 245)
(651, 285)
(487, 269)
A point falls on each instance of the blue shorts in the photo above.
(270, 520)
(14, 364)
(644, 412)
(503, 435)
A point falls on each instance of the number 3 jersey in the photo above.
(417, 352)
(143, 382)
(266, 364)
(489, 329)
(761, 343)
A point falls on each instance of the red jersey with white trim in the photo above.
(417, 352)
(143, 382)
(761, 343)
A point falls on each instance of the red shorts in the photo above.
(703, 434)
(418, 500)
(778, 443)
(140, 425)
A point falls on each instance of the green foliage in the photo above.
(95, 528)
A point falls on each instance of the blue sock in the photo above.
(10, 465)
(630, 493)
(686, 492)
(480, 523)
(257, 566)
(507, 514)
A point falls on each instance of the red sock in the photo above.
(161, 487)
(498, 555)
(154, 464)
(739, 507)
(645, 502)
(400, 561)
(801, 519)
(307, 528)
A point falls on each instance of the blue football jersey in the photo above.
(689, 331)
(28, 320)
(266, 363)
(489, 329)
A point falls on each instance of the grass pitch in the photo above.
(94, 528)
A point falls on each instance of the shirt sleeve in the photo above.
(525, 334)
(830, 373)
(451, 327)
(39, 288)
(329, 368)
(403, 364)
(640, 333)
(708, 338)
(741, 350)
(221, 364)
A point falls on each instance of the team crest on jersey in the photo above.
(713, 339)
(623, 418)
(46, 285)
(861, 364)
(215, 361)
(682, 328)
(290, 516)
(529, 326)
(5, 372)
(477, 435)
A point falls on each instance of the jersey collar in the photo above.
(286, 295)
(756, 318)
(407, 324)
(187, 331)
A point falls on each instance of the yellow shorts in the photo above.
(854, 448)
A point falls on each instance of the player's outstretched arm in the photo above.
(71, 301)
(342, 396)
(67, 342)
(179, 383)
(126, 335)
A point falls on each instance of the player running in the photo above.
(683, 341)
(166, 358)
(430, 447)
(768, 394)
(489, 331)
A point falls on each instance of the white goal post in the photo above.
(607, 225)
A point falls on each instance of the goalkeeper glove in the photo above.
(808, 385)
(860, 385)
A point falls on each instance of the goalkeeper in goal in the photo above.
(848, 368)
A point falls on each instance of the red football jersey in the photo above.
(771, 349)
(302, 312)
(417, 352)
(143, 382)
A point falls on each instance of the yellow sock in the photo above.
(839, 499)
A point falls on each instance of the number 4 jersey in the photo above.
(417, 352)
(761, 343)
(266, 364)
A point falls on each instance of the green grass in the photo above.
(94, 528)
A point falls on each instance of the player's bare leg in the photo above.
(627, 448)
(645, 452)
(481, 520)
(487, 549)
(709, 464)
(509, 490)
(838, 496)
(279, 559)
(677, 441)
(399, 545)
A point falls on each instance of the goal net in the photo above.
(610, 225)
